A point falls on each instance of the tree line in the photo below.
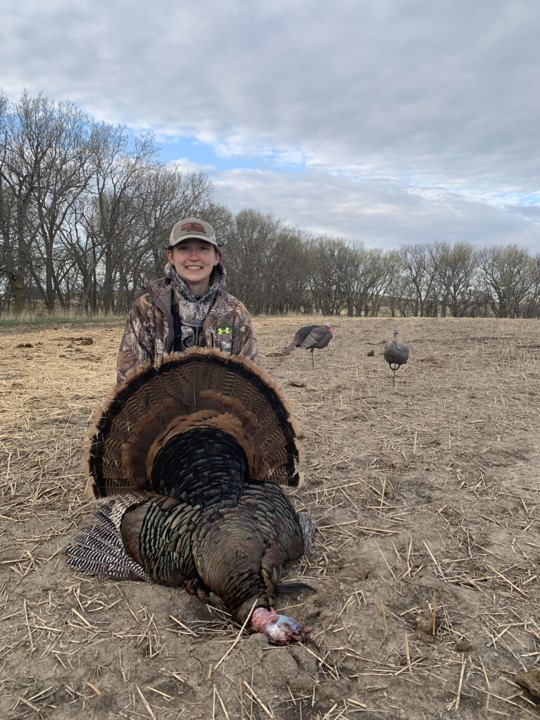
(86, 210)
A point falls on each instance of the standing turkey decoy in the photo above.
(311, 337)
(197, 451)
(396, 354)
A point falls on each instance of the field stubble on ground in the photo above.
(426, 557)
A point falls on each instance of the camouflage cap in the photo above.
(193, 228)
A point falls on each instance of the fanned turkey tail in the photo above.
(197, 389)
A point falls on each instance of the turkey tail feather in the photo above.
(199, 388)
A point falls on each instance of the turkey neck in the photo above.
(200, 467)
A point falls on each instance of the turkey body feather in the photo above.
(195, 454)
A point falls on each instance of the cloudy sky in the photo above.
(384, 121)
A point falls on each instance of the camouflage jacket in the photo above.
(149, 331)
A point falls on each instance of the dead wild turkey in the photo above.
(311, 337)
(197, 451)
(396, 354)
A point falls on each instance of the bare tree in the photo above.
(120, 168)
(368, 278)
(531, 306)
(21, 153)
(249, 256)
(84, 253)
(455, 269)
(44, 169)
(346, 270)
(506, 274)
(64, 176)
(85, 213)
(419, 270)
(383, 268)
(401, 293)
(331, 265)
(289, 271)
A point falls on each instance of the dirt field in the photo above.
(425, 563)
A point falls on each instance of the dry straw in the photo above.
(425, 561)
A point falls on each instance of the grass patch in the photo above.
(27, 319)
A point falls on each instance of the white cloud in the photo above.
(379, 213)
(401, 121)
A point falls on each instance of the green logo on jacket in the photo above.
(225, 334)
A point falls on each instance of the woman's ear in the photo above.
(218, 256)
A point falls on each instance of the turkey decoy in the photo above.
(197, 451)
(396, 354)
(311, 337)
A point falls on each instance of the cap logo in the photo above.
(193, 227)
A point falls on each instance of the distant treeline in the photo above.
(85, 214)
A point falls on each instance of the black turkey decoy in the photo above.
(396, 354)
(197, 451)
(311, 337)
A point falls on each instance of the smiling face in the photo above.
(194, 261)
